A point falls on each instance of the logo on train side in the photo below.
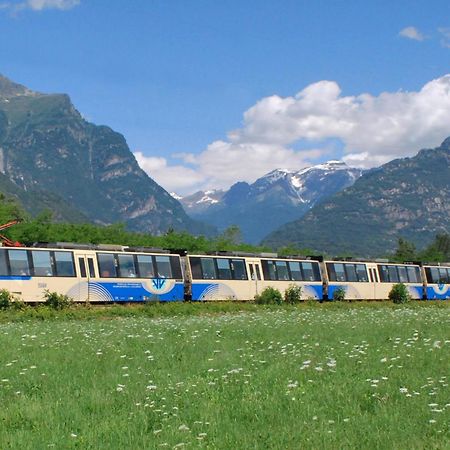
(158, 283)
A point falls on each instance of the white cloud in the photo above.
(412, 33)
(372, 130)
(172, 178)
(39, 5)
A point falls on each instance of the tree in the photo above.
(406, 251)
(438, 250)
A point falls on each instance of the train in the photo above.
(110, 273)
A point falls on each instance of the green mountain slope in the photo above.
(407, 198)
(47, 146)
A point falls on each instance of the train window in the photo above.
(238, 268)
(82, 267)
(163, 267)
(175, 265)
(106, 265)
(145, 266)
(350, 270)
(340, 273)
(208, 268)
(18, 261)
(223, 268)
(316, 272)
(269, 270)
(402, 275)
(331, 272)
(258, 272)
(296, 272)
(196, 268)
(393, 274)
(434, 275)
(361, 272)
(42, 263)
(311, 271)
(282, 270)
(64, 264)
(443, 275)
(384, 274)
(413, 274)
(3, 264)
(127, 268)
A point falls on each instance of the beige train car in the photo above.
(111, 274)
(234, 277)
(371, 280)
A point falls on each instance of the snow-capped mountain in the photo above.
(272, 200)
(311, 184)
(199, 201)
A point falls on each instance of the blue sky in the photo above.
(206, 92)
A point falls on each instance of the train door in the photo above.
(254, 268)
(86, 272)
(373, 280)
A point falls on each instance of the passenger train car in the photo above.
(108, 273)
(370, 280)
(241, 278)
(104, 274)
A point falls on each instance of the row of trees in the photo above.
(43, 229)
(437, 251)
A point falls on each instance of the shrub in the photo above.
(399, 293)
(339, 295)
(57, 301)
(269, 296)
(6, 299)
(293, 294)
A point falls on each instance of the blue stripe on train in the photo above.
(136, 292)
(15, 278)
(438, 292)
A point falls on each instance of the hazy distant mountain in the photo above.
(200, 201)
(407, 197)
(48, 149)
(272, 200)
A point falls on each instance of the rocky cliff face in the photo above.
(46, 145)
(407, 198)
(272, 200)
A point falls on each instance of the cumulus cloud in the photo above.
(371, 129)
(412, 33)
(173, 178)
(39, 5)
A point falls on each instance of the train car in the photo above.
(234, 277)
(371, 280)
(97, 275)
(437, 281)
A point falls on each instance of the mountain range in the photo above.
(51, 156)
(272, 200)
(408, 198)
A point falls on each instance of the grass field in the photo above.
(331, 376)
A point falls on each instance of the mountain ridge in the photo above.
(286, 193)
(46, 145)
(407, 197)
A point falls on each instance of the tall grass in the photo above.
(339, 376)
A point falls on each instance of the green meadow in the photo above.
(331, 376)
